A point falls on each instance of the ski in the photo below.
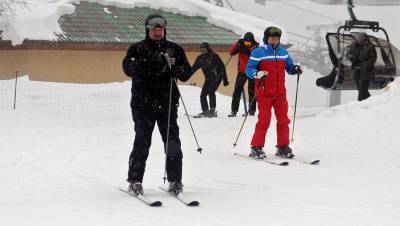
(264, 159)
(196, 116)
(200, 116)
(314, 162)
(181, 198)
(143, 199)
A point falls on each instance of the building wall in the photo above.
(12, 61)
(87, 66)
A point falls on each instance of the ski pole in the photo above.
(262, 83)
(199, 149)
(168, 128)
(228, 60)
(15, 89)
(219, 74)
(295, 106)
(241, 127)
(244, 101)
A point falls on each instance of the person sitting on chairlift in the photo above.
(362, 55)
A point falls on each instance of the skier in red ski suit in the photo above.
(267, 66)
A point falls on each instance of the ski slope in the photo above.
(64, 168)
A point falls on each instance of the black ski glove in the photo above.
(240, 43)
(297, 70)
(170, 61)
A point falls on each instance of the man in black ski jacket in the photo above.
(362, 55)
(214, 72)
(151, 63)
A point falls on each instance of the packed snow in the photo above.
(64, 167)
(39, 21)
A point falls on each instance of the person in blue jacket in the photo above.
(267, 66)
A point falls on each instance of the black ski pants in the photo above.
(362, 78)
(209, 88)
(144, 125)
(239, 84)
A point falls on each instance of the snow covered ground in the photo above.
(63, 168)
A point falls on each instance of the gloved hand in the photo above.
(240, 43)
(226, 83)
(241, 47)
(261, 74)
(297, 69)
(170, 61)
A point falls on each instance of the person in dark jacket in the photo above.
(362, 55)
(151, 63)
(214, 72)
(243, 47)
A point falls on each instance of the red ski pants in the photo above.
(280, 105)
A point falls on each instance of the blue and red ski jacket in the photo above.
(275, 62)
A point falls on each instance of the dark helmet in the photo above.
(205, 45)
(249, 37)
(271, 32)
(361, 37)
(155, 20)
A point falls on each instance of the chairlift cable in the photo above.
(307, 10)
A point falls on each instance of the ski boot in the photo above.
(135, 188)
(257, 153)
(175, 188)
(284, 151)
(211, 113)
(233, 114)
(201, 114)
(250, 113)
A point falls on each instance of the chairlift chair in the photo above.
(340, 78)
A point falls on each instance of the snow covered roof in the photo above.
(96, 23)
(40, 22)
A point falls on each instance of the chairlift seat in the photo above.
(340, 77)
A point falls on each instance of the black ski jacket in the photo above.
(212, 66)
(151, 74)
(362, 56)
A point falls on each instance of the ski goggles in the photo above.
(156, 22)
(247, 43)
(274, 32)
